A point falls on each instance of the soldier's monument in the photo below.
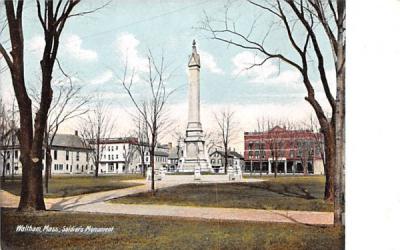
(194, 153)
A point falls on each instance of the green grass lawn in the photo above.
(62, 186)
(282, 193)
(140, 232)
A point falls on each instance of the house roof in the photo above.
(230, 153)
(160, 153)
(62, 140)
(68, 141)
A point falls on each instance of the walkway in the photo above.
(96, 202)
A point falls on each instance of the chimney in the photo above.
(76, 132)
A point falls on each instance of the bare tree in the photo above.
(151, 107)
(226, 131)
(5, 136)
(308, 24)
(67, 104)
(261, 129)
(142, 144)
(52, 16)
(275, 143)
(129, 151)
(97, 125)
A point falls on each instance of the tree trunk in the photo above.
(3, 175)
(48, 167)
(152, 169)
(97, 155)
(96, 172)
(329, 167)
(339, 208)
(305, 167)
(31, 188)
(226, 160)
(275, 168)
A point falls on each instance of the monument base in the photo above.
(189, 165)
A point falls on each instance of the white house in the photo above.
(122, 155)
(69, 156)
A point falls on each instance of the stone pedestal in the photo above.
(197, 174)
(231, 174)
(148, 174)
(238, 173)
(194, 153)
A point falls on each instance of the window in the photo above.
(116, 147)
(77, 156)
(112, 148)
(91, 167)
(112, 157)
(123, 147)
(109, 157)
(87, 156)
(86, 167)
(67, 155)
(77, 167)
(58, 167)
(8, 154)
(116, 156)
(55, 154)
(16, 154)
(67, 166)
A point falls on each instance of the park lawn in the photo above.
(282, 193)
(62, 186)
(144, 232)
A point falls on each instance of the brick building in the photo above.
(289, 151)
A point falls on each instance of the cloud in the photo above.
(267, 73)
(73, 47)
(102, 78)
(127, 47)
(258, 74)
(36, 45)
(208, 62)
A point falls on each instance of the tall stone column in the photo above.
(195, 154)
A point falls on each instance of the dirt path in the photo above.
(211, 213)
(96, 202)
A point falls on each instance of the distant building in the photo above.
(71, 155)
(291, 151)
(123, 155)
(117, 155)
(68, 151)
(217, 160)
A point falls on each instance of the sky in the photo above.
(94, 49)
